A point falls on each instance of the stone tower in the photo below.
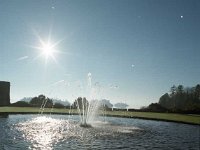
(4, 93)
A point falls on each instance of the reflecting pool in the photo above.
(64, 132)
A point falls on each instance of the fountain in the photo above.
(88, 109)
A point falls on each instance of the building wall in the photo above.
(4, 93)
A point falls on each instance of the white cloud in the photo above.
(57, 82)
(22, 58)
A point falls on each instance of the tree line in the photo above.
(39, 101)
(182, 99)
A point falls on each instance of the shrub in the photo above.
(58, 105)
(20, 104)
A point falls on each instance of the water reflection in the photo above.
(45, 132)
(63, 132)
(4, 115)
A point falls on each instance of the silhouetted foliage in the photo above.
(155, 107)
(59, 105)
(173, 90)
(80, 103)
(41, 100)
(165, 101)
(20, 104)
(182, 99)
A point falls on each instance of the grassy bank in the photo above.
(182, 118)
(16, 110)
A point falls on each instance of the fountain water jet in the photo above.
(88, 109)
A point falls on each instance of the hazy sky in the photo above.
(132, 50)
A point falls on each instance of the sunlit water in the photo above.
(63, 132)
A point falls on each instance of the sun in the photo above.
(48, 49)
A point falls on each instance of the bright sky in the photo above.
(133, 51)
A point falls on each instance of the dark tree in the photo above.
(173, 90)
(80, 103)
(48, 103)
(21, 104)
(180, 89)
(182, 100)
(165, 101)
(155, 107)
(179, 97)
(41, 101)
(59, 105)
(197, 91)
(35, 101)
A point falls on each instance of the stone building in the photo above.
(4, 93)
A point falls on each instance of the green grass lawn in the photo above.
(193, 119)
(34, 110)
(184, 118)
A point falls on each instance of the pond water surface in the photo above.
(60, 132)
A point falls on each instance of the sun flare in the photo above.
(48, 49)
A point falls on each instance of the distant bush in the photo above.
(118, 109)
(58, 105)
(20, 104)
(41, 100)
(155, 107)
(80, 103)
(68, 107)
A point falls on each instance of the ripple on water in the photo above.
(45, 132)
(61, 132)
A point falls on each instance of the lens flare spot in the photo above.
(47, 49)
